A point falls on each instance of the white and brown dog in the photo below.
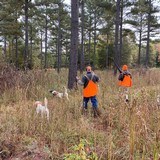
(42, 109)
(60, 95)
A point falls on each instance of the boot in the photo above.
(84, 111)
(96, 112)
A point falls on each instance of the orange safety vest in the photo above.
(127, 81)
(91, 89)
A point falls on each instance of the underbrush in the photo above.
(124, 131)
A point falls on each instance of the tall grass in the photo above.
(123, 132)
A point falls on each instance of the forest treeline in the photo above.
(39, 33)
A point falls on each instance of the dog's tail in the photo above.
(65, 89)
(45, 102)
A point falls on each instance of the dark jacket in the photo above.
(90, 75)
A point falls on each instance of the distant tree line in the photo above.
(52, 34)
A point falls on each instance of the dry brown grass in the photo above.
(123, 132)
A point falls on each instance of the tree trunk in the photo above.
(94, 47)
(10, 51)
(26, 36)
(41, 49)
(59, 41)
(16, 52)
(89, 45)
(107, 53)
(140, 41)
(16, 45)
(121, 34)
(66, 58)
(5, 48)
(74, 44)
(148, 35)
(46, 36)
(82, 37)
(117, 21)
(31, 45)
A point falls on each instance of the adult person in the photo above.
(90, 90)
(125, 81)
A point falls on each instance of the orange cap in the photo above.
(88, 68)
(125, 67)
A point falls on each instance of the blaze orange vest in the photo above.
(127, 81)
(91, 89)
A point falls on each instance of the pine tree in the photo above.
(74, 43)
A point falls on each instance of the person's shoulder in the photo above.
(96, 77)
(86, 76)
(127, 72)
(95, 74)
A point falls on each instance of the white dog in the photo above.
(43, 110)
(158, 101)
(60, 95)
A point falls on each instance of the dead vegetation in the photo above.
(123, 132)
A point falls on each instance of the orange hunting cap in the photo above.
(88, 68)
(125, 67)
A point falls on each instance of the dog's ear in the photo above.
(50, 91)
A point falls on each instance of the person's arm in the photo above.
(97, 79)
(129, 74)
(79, 81)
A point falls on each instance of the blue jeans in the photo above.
(93, 101)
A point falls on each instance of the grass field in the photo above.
(122, 132)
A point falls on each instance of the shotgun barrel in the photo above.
(119, 69)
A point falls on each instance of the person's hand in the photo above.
(77, 78)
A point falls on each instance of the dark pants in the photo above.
(93, 101)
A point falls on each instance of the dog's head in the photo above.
(54, 93)
(38, 102)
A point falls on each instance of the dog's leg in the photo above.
(42, 115)
(67, 97)
(47, 113)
